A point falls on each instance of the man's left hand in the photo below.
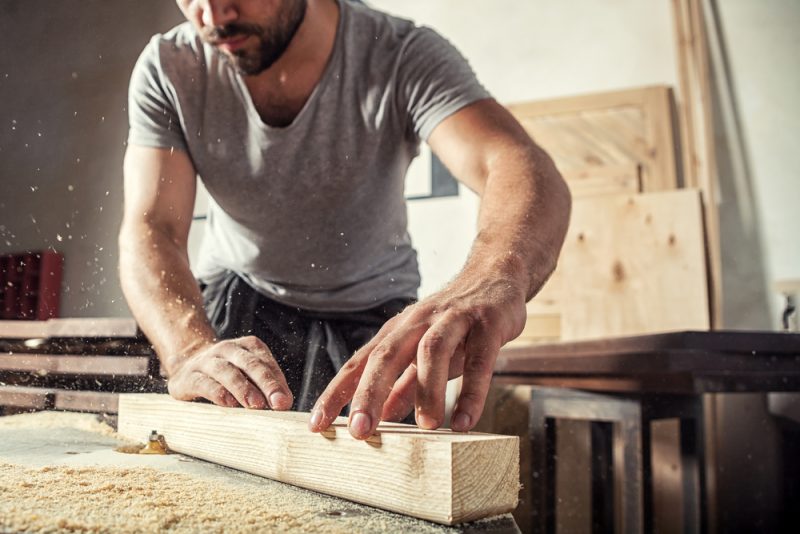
(458, 331)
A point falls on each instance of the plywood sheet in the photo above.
(632, 127)
(633, 265)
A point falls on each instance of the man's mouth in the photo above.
(231, 44)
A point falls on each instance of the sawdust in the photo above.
(142, 500)
(103, 499)
(40, 420)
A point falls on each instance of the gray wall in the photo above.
(64, 70)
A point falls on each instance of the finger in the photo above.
(401, 400)
(201, 387)
(341, 389)
(384, 365)
(261, 369)
(435, 350)
(231, 378)
(457, 362)
(481, 351)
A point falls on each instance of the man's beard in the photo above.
(272, 42)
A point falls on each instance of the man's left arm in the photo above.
(459, 330)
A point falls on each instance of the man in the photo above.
(301, 118)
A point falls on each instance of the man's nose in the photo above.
(219, 12)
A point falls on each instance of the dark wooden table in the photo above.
(620, 386)
(679, 363)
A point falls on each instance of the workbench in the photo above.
(65, 455)
(622, 385)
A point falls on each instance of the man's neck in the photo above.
(280, 92)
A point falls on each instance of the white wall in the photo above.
(525, 50)
(763, 42)
(528, 50)
(64, 72)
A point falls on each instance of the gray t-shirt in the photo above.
(313, 214)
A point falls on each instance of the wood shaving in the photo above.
(59, 498)
(43, 420)
(143, 500)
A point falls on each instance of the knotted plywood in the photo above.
(634, 264)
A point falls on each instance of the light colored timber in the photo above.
(440, 476)
(539, 328)
(89, 327)
(604, 180)
(634, 265)
(632, 127)
(698, 131)
(45, 364)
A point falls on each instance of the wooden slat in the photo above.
(89, 327)
(604, 180)
(21, 397)
(635, 265)
(629, 127)
(75, 365)
(58, 399)
(539, 328)
(436, 475)
(696, 110)
(86, 401)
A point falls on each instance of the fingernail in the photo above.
(360, 423)
(249, 399)
(278, 399)
(426, 422)
(316, 419)
(461, 422)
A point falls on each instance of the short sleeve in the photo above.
(152, 115)
(435, 81)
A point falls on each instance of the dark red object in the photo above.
(30, 285)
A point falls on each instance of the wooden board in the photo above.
(86, 401)
(606, 180)
(89, 327)
(28, 398)
(34, 398)
(539, 328)
(697, 127)
(440, 476)
(613, 129)
(75, 365)
(634, 265)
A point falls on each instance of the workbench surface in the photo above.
(61, 470)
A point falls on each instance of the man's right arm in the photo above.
(165, 299)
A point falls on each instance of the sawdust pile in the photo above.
(40, 420)
(106, 499)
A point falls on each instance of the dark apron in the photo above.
(310, 347)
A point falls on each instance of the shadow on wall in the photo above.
(745, 287)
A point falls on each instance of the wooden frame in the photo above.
(655, 148)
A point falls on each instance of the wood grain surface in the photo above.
(440, 476)
(635, 265)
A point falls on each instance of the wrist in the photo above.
(524, 266)
(177, 359)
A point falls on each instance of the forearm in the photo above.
(162, 293)
(524, 214)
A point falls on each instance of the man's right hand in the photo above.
(235, 372)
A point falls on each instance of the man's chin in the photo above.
(245, 65)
